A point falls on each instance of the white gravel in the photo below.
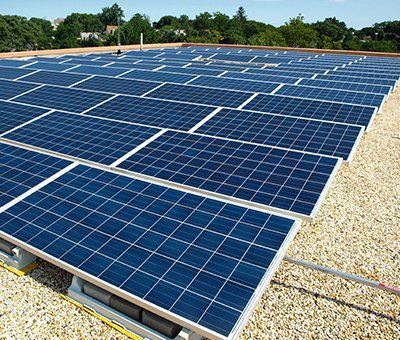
(356, 230)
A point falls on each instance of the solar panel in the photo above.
(13, 62)
(13, 73)
(216, 66)
(65, 99)
(195, 71)
(10, 89)
(365, 74)
(21, 170)
(232, 57)
(315, 109)
(286, 180)
(359, 98)
(153, 112)
(200, 95)
(13, 115)
(235, 84)
(89, 138)
(55, 78)
(278, 72)
(50, 66)
(117, 85)
(96, 70)
(195, 259)
(319, 137)
(158, 76)
(261, 77)
(355, 79)
(382, 89)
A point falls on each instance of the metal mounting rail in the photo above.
(344, 275)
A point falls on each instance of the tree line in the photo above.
(19, 33)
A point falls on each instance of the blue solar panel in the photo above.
(117, 85)
(320, 137)
(50, 66)
(355, 79)
(13, 115)
(13, 73)
(276, 71)
(286, 180)
(55, 78)
(14, 62)
(261, 77)
(364, 74)
(232, 57)
(341, 96)
(64, 99)
(158, 76)
(316, 109)
(153, 112)
(200, 95)
(21, 170)
(216, 66)
(235, 84)
(96, 70)
(195, 71)
(134, 66)
(202, 260)
(89, 138)
(9, 88)
(382, 89)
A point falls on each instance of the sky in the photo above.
(356, 13)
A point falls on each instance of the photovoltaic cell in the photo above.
(261, 77)
(96, 70)
(286, 180)
(13, 62)
(192, 70)
(89, 138)
(158, 76)
(64, 99)
(153, 112)
(275, 71)
(320, 137)
(9, 88)
(21, 170)
(50, 66)
(117, 85)
(341, 96)
(382, 89)
(13, 115)
(200, 95)
(13, 73)
(235, 84)
(202, 260)
(316, 109)
(354, 79)
(54, 78)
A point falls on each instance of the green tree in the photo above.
(299, 34)
(270, 37)
(168, 20)
(110, 15)
(130, 31)
(203, 21)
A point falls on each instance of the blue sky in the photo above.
(356, 13)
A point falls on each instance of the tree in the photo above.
(130, 31)
(110, 15)
(270, 37)
(203, 21)
(167, 20)
(299, 34)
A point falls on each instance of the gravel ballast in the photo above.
(357, 230)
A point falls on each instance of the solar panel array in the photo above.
(177, 176)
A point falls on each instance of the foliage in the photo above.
(19, 33)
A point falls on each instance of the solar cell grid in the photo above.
(364, 74)
(105, 71)
(13, 73)
(54, 78)
(50, 66)
(308, 108)
(13, 62)
(320, 137)
(235, 84)
(59, 98)
(159, 76)
(277, 71)
(286, 180)
(10, 89)
(356, 79)
(117, 85)
(192, 70)
(261, 77)
(21, 170)
(200, 95)
(13, 115)
(341, 96)
(89, 138)
(199, 259)
(382, 89)
(153, 112)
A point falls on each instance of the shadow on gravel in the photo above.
(305, 291)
